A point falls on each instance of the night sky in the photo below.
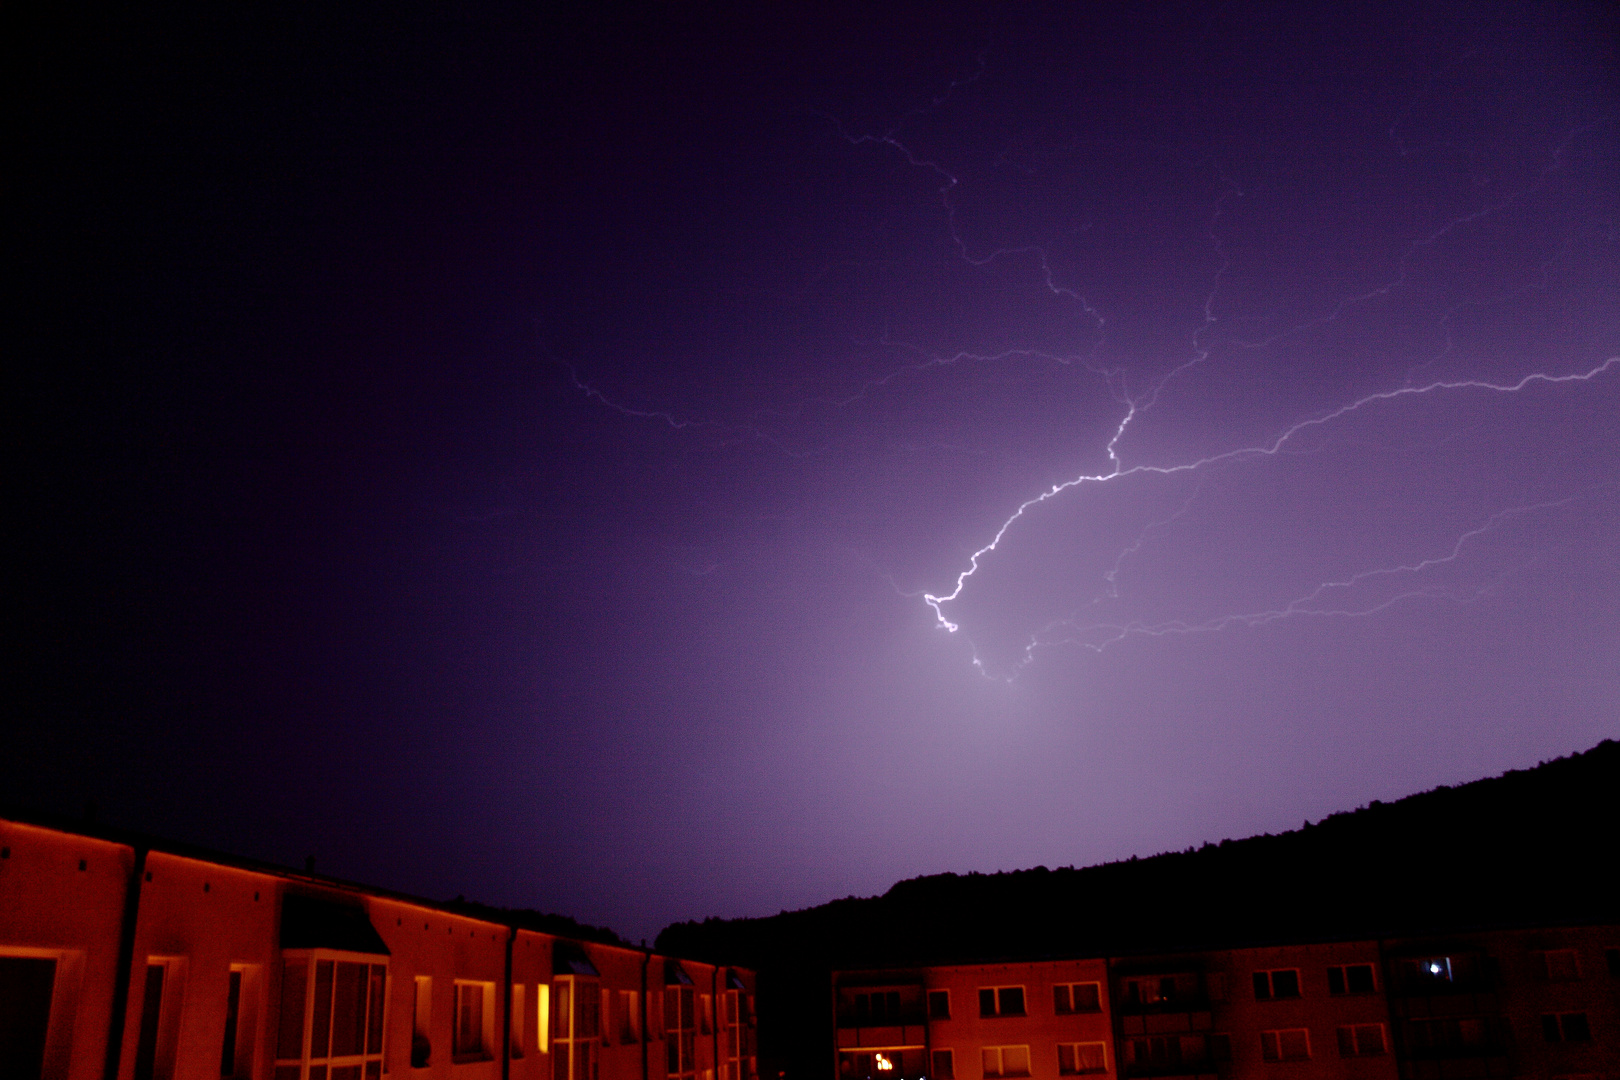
(525, 454)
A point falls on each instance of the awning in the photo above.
(314, 922)
(567, 958)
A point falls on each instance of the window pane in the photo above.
(1335, 980)
(374, 1018)
(1576, 1028)
(346, 1072)
(1268, 1045)
(348, 1009)
(990, 1057)
(1347, 1042)
(1294, 1043)
(1066, 1065)
(1369, 1039)
(1015, 1060)
(944, 1065)
(151, 1009)
(233, 1005)
(1262, 986)
(939, 1007)
(1091, 1057)
(1061, 1002)
(1360, 978)
(321, 1020)
(1285, 984)
(1012, 1001)
(1087, 997)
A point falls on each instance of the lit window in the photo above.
(576, 1021)
(1362, 1040)
(1288, 1044)
(1077, 998)
(939, 1006)
(1162, 990)
(519, 996)
(422, 1023)
(1001, 1001)
(1273, 985)
(1005, 1061)
(1076, 1059)
(1351, 979)
(944, 1065)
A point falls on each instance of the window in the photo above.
(877, 1008)
(1077, 998)
(160, 1018)
(629, 1016)
(1351, 979)
(1566, 1027)
(519, 1015)
(1613, 958)
(1005, 1060)
(939, 1006)
(708, 1014)
(1152, 1052)
(1162, 989)
(1272, 985)
(1001, 1001)
(470, 1039)
(1288, 1044)
(1431, 969)
(241, 1008)
(1362, 1040)
(1463, 1033)
(1075, 1059)
(576, 1021)
(332, 1013)
(944, 1064)
(1559, 965)
(680, 1028)
(25, 1006)
(421, 1024)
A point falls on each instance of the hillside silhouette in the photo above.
(1532, 847)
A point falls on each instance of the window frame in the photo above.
(1268, 976)
(1276, 1037)
(934, 1056)
(1560, 1022)
(1075, 1050)
(1343, 979)
(938, 995)
(1073, 1009)
(329, 1062)
(1000, 1051)
(1349, 1037)
(999, 994)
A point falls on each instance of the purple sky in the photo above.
(515, 458)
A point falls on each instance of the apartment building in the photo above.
(122, 959)
(1541, 1003)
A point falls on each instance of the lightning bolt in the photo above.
(1275, 446)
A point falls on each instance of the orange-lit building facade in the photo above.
(120, 961)
(1541, 1003)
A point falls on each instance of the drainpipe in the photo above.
(646, 1007)
(506, 1008)
(123, 972)
(714, 1021)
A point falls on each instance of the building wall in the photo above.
(1533, 1003)
(208, 929)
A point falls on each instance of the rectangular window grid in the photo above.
(1277, 984)
(1069, 998)
(1078, 1059)
(1005, 1061)
(1362, 1040)
(1351, 979)
(1285, 1044)
(1001, 1001)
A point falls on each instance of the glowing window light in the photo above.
(884, 1064)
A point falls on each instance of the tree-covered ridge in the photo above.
(1529, 846)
